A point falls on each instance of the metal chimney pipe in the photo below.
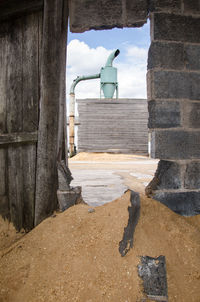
(111, 57)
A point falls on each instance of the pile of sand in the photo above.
(86, 156)
(8, 234)
(74, 256)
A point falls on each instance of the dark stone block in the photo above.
(165, 5)
(192, 176)
(175, 28)
(192, 115)
(153, 273)
(91, 14)
(192, 57)
(164, 114)
(136, 8)
(178, 85)
(167, 176)
(191, 6)
(166, 55)
(194, 86)
(150, 82)
(105, 14)
(173, 144)
(183, 203)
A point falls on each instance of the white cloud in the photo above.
(131, 64)
(136, 52)
(83, 59)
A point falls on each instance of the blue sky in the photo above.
(87, 53)
(115, 37)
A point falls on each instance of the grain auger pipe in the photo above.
(72, 109)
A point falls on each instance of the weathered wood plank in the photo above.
(16, 8)
(15, 184)
(54, 37)
(14, 121)
(4, 207)
(29, 171)
(22, 100)
(2, 172)
(3, 66)
(17, 137)
(62, 123)
(30, 53)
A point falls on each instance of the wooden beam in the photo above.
(15, 8)
(16, 138)
(76, 121)
(52, 85)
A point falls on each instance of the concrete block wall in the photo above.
(173, 82)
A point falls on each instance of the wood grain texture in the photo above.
(30, 54)
(62, 126)
(16, 8)
(19, 98)
(110, 125)
(53, 59)
(15, 122)
(17, 138)
(4, 205)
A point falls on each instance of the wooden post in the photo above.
(71, 123)
(50, 133)
(71, 135)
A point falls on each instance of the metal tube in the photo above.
(72, 101)
(82, 78)
(111, 57)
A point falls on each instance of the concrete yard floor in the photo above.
(105, 177)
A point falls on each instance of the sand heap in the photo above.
(74, 256)
(87, 156)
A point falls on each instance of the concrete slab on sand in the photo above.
(104, 178)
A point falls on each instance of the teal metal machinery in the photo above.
(109, 84)
(108, 76)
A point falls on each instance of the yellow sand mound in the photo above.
(74, 256)
(86, 156)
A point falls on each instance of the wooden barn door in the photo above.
(19, 110)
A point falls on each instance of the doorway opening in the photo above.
(105, 165)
